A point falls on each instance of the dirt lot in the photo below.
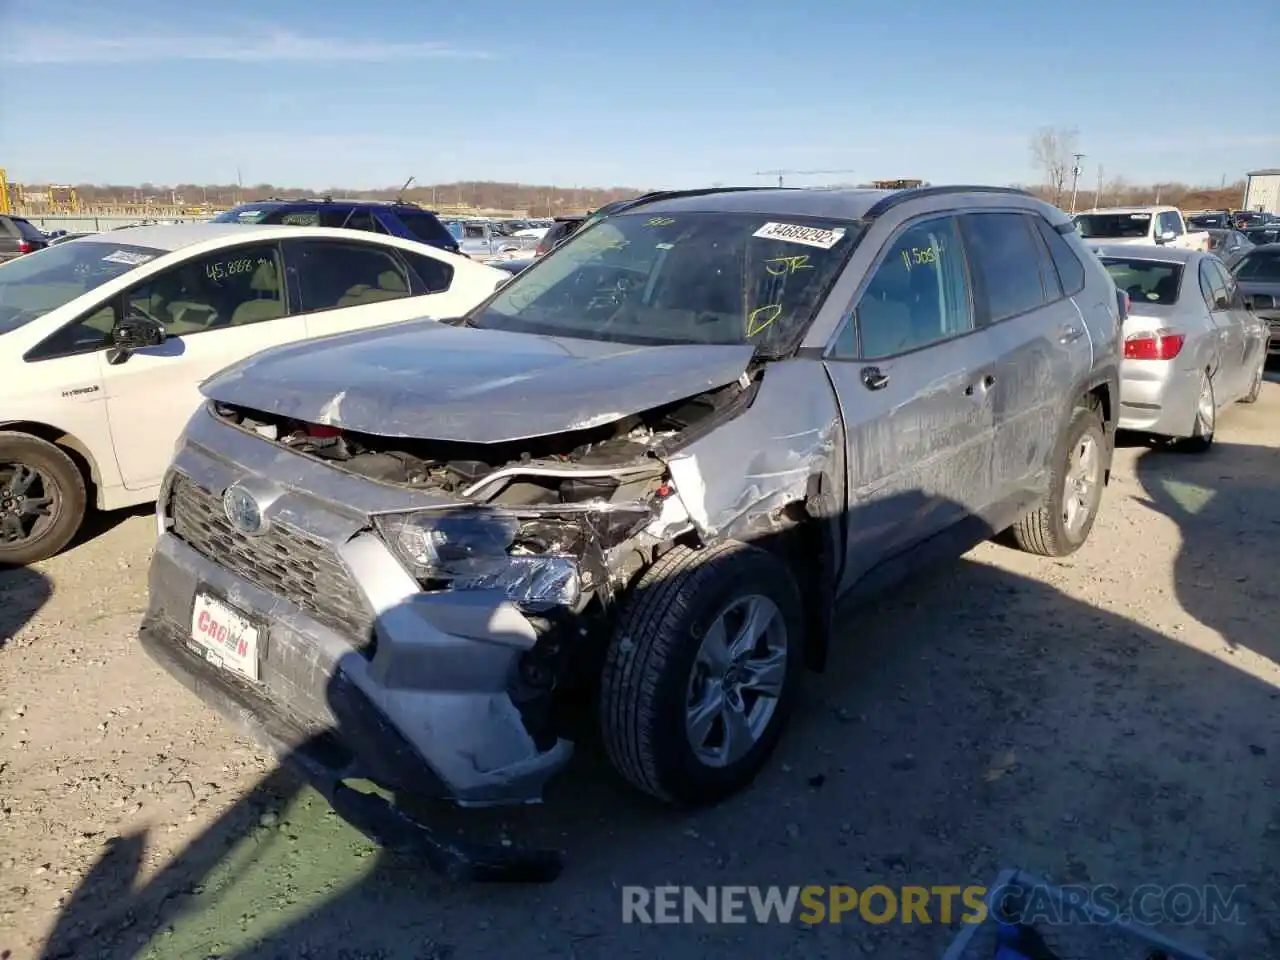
(1111, 718)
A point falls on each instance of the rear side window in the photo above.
(1213, 287)
(333, 275)
(1070, 269)
(434, 275)
(27, 229)
(425, 227)
(1006, 263)
(1146, 281)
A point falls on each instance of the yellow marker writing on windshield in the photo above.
(660, 222)
(781, 266)
(760, 319)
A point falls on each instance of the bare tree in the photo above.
(1053, 154)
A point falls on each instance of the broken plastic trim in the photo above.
(460, 861)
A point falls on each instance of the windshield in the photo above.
(245, 213)
(1113, 225)
(1205, 221)
(1260, 265)
(33, 285)
(689, 278)
(1146, 281)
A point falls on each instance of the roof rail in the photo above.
(881, 207)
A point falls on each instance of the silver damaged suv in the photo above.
(643, 471)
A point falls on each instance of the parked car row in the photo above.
(642, 469)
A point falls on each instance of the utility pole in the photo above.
(1097, 194)
(1075, 179)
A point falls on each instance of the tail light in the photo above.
(1153, 345)
(24, 246)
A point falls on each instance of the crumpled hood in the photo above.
(435, 381)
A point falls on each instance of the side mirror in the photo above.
(132, 333)
(1167, 236)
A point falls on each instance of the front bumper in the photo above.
(361, 675)
(1156, 397)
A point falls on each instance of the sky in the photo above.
(666, 93)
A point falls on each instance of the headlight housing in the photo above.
(479, 550)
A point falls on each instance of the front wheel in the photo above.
(1061, 524)
(42, 499)
(702, 672)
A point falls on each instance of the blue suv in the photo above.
(397, 218)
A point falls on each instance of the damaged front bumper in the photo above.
(357, 674)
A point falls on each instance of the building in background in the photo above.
(1262, 191)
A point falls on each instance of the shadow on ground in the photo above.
(23, 591)
(97, 523)
(971, 720)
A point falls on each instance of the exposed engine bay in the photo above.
(617, 462)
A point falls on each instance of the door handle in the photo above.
(1070, 334)
(874, 379)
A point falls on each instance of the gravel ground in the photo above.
(1109, 718)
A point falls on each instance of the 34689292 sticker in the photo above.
(823, 238)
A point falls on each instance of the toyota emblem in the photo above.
(243, 511)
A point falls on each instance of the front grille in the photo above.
(284, 561)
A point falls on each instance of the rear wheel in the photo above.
(1061, 524)
(702, 672)
(1200, 438)
(42, 499)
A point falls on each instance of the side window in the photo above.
(1217, 298)
(295, 217)
(1006, 266)
(332, 275)
(361, 220)
(1226, 284)
(918, 295)
(1070, 269)
(90, 333)
(331, 217)
(1206, 284)
(227, 288)
(433, 276)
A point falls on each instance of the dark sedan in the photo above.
(1258, 275)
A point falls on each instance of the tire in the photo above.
(1045, 531)
(57, 478)
(649, 670)
(1200, 439)
(1256, 389)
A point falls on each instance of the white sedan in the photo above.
(104, 340)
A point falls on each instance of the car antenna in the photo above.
(400, 192)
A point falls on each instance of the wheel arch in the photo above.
(805, 534)
(72, 445)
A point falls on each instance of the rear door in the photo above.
(345, 285)
(1229, 380)
(1043, 349)
(913, 373)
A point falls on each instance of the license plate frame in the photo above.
(226, 636)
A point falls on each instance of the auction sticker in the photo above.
(820, 237)
(128, 258)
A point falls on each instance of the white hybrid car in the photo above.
(105, 339)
